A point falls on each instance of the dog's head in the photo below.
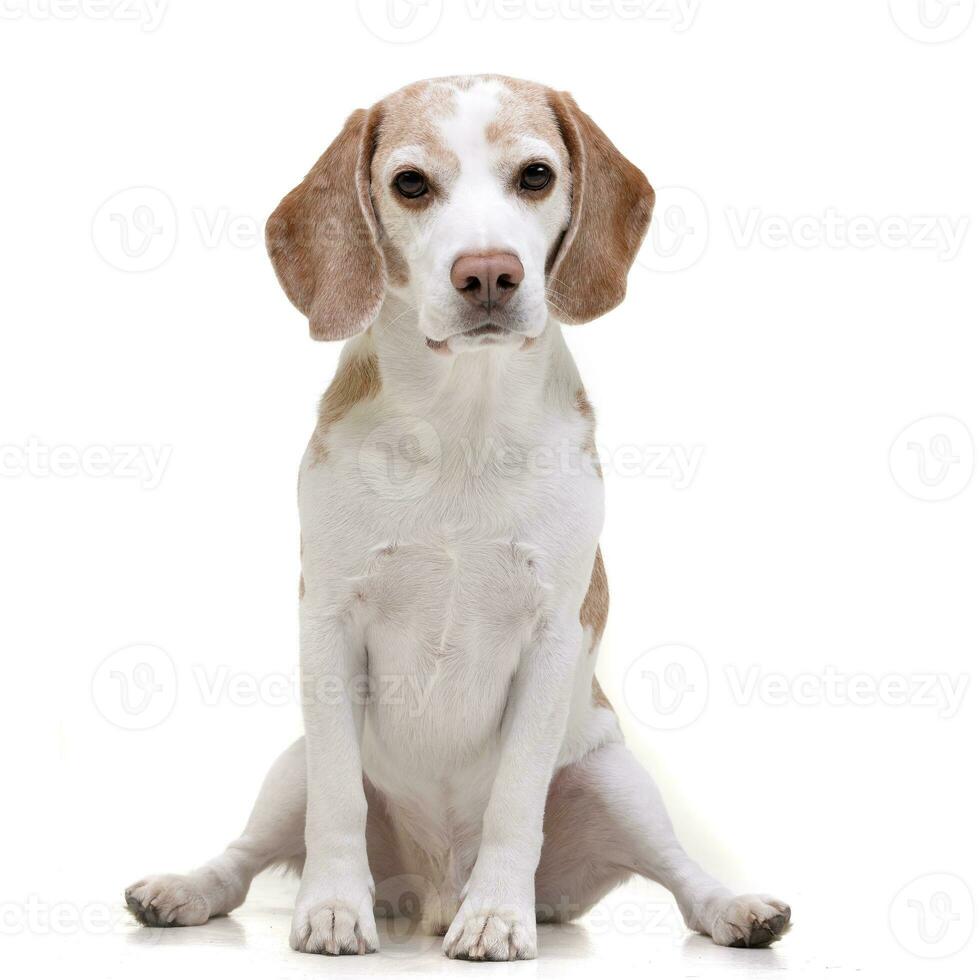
(483, 202)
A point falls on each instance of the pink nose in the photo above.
(487, 280)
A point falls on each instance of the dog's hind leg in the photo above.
(273, 835)
(606, 821)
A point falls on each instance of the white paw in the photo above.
(167, 900)
(335, 927)
(491, 935)
(750, 920)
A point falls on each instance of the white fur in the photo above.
(432, 559)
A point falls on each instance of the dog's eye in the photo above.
(536, 177)
(410, 183)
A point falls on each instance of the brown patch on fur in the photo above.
(584, 407)
(413, 114)
(611, 207)
(593, 615)
(525, 110)
(357, 379)
(318, 449)
(395, 263)
(323, 236)
(411, 117)
(595, 607)
(599, 698)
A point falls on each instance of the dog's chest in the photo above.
(446, 578)
(444, 623)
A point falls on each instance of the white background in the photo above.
(807, 294)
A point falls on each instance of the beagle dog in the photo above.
(460, 761)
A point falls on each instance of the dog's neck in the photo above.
(503, 387)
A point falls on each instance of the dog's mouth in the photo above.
(485, 335)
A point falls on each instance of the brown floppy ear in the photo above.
(323, 237)
(611, 207)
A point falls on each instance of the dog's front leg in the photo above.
(496, 920)
(335, 907)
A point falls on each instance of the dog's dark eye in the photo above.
(410, 183)
(536, 177)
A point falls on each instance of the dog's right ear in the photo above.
(323, 237)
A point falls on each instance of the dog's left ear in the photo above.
(323, 237)
(611, 207)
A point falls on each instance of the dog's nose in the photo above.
(487, 280)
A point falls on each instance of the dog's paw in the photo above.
(492, 935)
(750, 920)
(334, 928)
(167, 900)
